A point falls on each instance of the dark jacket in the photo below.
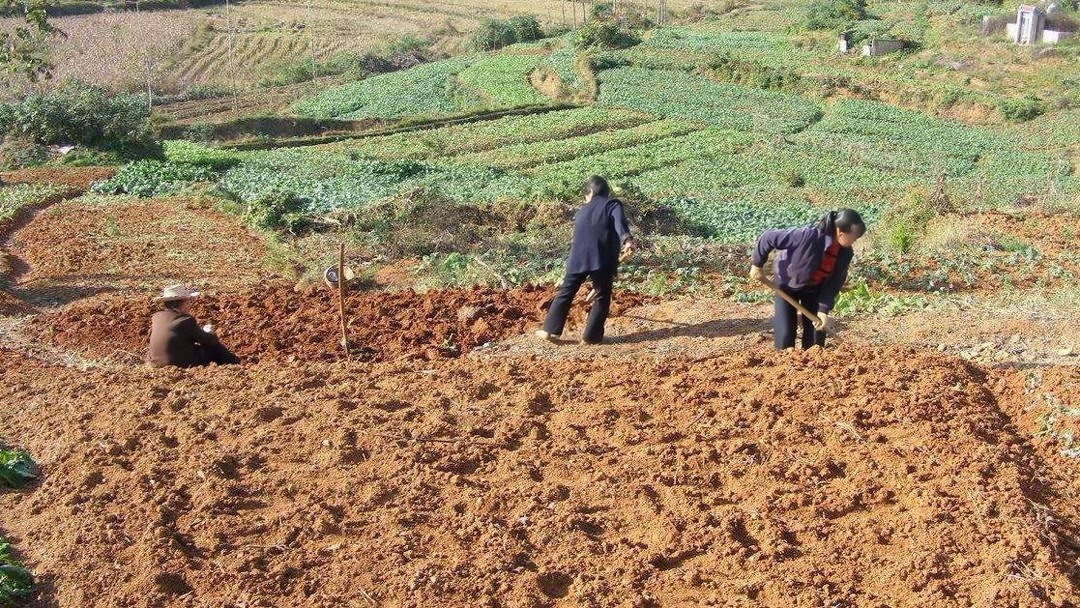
(600, 229)
(801, 250)
(176, 339)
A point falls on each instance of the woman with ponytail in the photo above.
(811, 267)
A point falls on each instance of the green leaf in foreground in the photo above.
(17, 469)
(15, 582)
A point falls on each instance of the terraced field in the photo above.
(113, 48)
(728, 182)
(441, 88)
(728, 157)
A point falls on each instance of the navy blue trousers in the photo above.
(602, 282)
(787, 320)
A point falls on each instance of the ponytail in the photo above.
(847, 220)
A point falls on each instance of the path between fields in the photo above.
(983, 332)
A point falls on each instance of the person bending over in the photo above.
(176, 338)
(600, 233)
(811, 267)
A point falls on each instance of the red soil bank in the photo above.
(277, 322)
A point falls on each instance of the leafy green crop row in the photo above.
(766, 47)
(17, 470)
(707, 143)
(563, 61)
(536, 153)
(15, 580)
(678, 95)
(154, 178)
(904, 145)
(503, 80)
(427, 90)
(490, 135)
(191, 153)
(775, 164)
(440, 88)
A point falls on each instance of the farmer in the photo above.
(176, 338)
(600, 232)
(812, 267)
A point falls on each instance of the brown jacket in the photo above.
(176, 339)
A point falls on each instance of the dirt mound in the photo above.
(854, 477)
(277, 322)
(145, 242)
(77, 179)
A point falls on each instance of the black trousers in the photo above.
(787, 318)
(602, 282)
(205, 354)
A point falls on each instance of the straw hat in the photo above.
(172, 293)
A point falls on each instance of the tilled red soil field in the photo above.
(138, 242)
(76, 179)
(275, 321)
(851, 477)
(1045, 402)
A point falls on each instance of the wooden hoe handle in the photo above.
(790, 300)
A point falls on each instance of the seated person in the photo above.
(176, 338)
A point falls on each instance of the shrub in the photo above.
(420, 223)
(1022, 109)
(871, 29)
(80, 113)
(602, 10)
(832, 14)
(526, 28)
(748, 72)
(904, 224)
(496, 33)
(278, 210)
(1062, 21)
(605, 34)
(19, 152)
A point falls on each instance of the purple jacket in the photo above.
(801, 250)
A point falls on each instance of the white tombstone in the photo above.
(1030, 21)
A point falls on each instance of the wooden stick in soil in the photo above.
(341, 299)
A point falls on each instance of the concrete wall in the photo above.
(882, 47)
(1054, 36)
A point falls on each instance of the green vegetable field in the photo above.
(719, 126)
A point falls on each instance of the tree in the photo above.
(23, 48)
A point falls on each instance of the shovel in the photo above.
(790, 300)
